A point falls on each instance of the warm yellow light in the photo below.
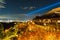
(50, 37)
(58, 21)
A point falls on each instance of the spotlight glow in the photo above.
(44, 8)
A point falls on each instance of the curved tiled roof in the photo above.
(54, 13)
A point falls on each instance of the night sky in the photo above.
(20, 9)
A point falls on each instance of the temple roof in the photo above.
(54, 13)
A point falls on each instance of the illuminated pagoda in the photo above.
(52, 17)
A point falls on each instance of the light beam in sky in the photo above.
(41, 9)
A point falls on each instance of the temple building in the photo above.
(51, 17)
